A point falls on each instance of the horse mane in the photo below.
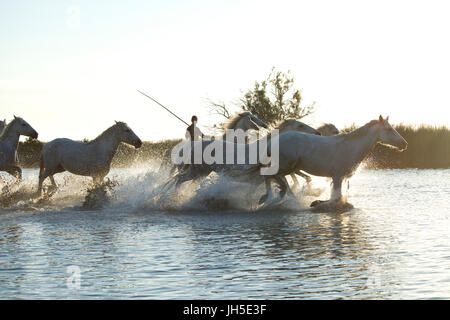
(357, 133)
(231, 124)
(106, 132)
(281, 124)
(7, 129)
(326, 125)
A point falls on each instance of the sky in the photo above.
(70, 68)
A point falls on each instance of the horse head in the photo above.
(295, 125)
(248, 124)
(245, 121)
(23, 128)
(125, 134)
(257, 121)
(387, 135)
(328, 129)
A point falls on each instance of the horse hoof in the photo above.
(315, 203)
(331, 206)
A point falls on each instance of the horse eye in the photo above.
(128, 130)
(23, 124)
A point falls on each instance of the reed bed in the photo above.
(428, 148)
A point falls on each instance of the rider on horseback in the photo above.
(193, 132)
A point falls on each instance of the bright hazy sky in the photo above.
(70, 68)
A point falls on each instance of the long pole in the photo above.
(164, 107)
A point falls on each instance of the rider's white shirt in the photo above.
(197, 134)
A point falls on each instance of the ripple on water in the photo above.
(395, 243)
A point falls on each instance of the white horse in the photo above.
(198, 171)
(9, 140)
(86, 159)
(295, 125)
(244, 121)
(336, 156)
(327, 129)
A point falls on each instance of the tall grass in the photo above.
(126, 155)
(428, 147)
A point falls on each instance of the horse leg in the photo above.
(301, 174)
(52, 180)
(304, 176)
(98, 179)
(166, 186)
(42, 177)
(337, 202)
(16, 172)
(268, 190)
(191, 172)
(282, 182)
(172, 170)
(45, 172)
(336, 192)
(289, 190)
(295, 180)
(187, 176)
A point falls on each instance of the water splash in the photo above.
(14, 193)
(99, 196)
(141, 189)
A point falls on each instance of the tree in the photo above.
(271, 100)
(276, 99)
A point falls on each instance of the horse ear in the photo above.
(116, 121)
(380, 118)
(387, 118)
(15, 117)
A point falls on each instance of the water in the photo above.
(395, 244)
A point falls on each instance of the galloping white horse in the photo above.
(336, 156)
(9, 140)
(327, 129)
(295, 125)
(86, 159)
(197, 171)
(244, 121)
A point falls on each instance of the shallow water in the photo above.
(394, 244)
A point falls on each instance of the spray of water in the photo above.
(140, 189)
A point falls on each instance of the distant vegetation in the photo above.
(428, 147)
(271, 100)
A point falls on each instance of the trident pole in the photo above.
(164, 107)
